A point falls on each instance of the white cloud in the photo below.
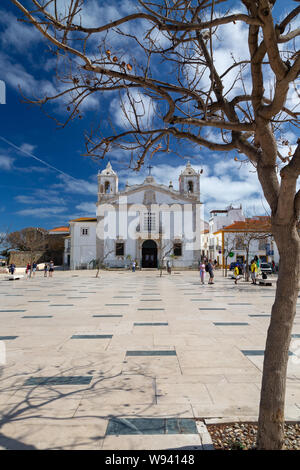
(41, 212)
(17, 77)
(87, 207)
(6, 163)
(225, 182)
(78, 186)
(17, 34)
(123, 109)
(41, 196)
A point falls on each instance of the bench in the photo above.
(264, 282)
(13, 277)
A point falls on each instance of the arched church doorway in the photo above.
(149, 254)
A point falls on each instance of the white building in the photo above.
(244, 238)
(147, 222)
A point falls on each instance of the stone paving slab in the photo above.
(205, 327)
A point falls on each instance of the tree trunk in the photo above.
(247, 267)
(271, 413)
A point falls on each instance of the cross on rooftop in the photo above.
(150, 168)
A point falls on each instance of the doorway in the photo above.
(149, 254)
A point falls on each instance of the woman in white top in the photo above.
(202, 271)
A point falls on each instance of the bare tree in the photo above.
(187, 96)
(251, 230)
(229, 245)
(29, 239)
(99, 263)
(165, 249)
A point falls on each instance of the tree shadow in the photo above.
(31, 408)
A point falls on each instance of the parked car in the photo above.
(233, 265)
(266, 268)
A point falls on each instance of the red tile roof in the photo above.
(260, 223)
(59, 230)
(85, 219)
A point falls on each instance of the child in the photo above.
(236, 273)
(202, 272)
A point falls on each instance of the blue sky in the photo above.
(45, 181)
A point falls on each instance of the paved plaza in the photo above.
(128, 360)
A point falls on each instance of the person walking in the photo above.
(273, 266)
(254, 270)
(34, 266)
(51, 268)
(210, 269)
(236, 273)
(28, 270)
(45, 270)
(133, 266)
(12, 268)
(202, 272)
(169, 266)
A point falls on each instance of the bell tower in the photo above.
(107, 183)
(189, 181)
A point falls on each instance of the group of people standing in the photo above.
(49, 268)
(32, 268)
(254, 268)
(207, 266)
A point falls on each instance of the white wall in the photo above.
(83, 247)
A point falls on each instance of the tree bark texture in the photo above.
(271, 416)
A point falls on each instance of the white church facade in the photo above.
(148, 223)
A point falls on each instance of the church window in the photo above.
(177, 249)
(190, 186)
(107, 187)
(119, 249)
(84, 231)
(149, 221)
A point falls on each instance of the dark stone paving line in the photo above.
(151, 353)
(91, 336)
(14, 295)
(76, 297)
(150, 308)
(37, 316)
(61, 305)
(257, 352)
(151, 426)
(212, 308)
(71, 380)
(2, 311)
(122, 297)
(56, 295)
(3, 338)
(257, 315)
(230, 323)
(236, 303)
(108, 316)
